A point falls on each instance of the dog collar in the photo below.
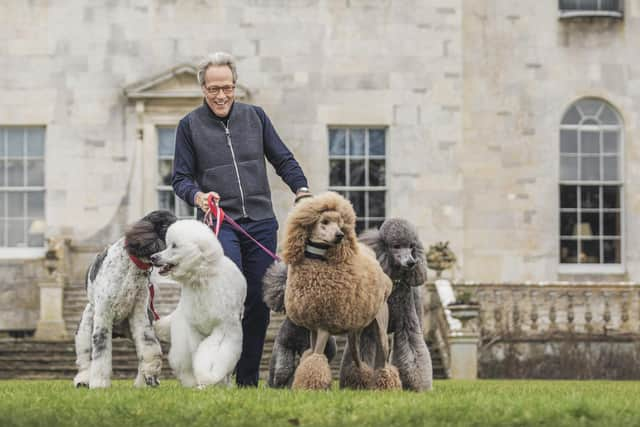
(316, 250)
(137, 261)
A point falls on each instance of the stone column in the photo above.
(51, 326)
(463, 342)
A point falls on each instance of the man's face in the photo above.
(218, 89)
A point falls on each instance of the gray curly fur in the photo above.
(292, 340)
(409, 351)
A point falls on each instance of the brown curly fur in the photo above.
(313, 373)
(387, 378)
(343, 293)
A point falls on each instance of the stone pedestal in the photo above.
(51, 326)
(464, 356)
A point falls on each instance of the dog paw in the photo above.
(82, 385)
(81, 380)
(152, 381)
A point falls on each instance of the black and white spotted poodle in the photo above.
(117, 289)
(401, 255)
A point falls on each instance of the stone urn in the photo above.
(440, 257)
(465, 313)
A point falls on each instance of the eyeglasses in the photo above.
(214, 90)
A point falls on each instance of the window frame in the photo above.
(366, 189)
(167, 188)
(594, 268)
(21, 252)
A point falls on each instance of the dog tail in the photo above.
(274, 283)
(162, 327)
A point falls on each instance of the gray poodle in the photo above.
(292, 340)
(401, 255)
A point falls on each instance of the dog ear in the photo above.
(297, 230)
(373, 239)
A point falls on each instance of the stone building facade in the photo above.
(452, 108)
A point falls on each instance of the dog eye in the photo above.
(324, 222)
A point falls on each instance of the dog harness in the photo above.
(147, 269)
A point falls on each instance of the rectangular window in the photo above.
(577, 8)
(22, 190)
(357, 170)
(167, 199)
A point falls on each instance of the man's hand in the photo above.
(301, 194)
(202, 200)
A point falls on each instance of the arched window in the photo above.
(591, 180)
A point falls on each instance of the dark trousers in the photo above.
(253, 262)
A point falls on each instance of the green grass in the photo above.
(452, 403)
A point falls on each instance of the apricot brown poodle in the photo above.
(335, 286)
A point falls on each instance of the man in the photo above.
(220, 151)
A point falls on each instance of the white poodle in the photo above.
(206, 327)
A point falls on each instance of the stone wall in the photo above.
(19, 294)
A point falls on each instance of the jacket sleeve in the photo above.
(184, 165)
(279, 155)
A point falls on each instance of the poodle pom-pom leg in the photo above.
(358, 378)
(313, 373)
(387, 378)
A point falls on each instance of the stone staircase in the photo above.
(28, 358)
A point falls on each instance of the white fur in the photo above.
(119, 292)
(206, 326)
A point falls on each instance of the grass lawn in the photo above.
(452, 403)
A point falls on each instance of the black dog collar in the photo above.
(316, 250)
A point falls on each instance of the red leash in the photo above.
(215, 211)
(145, 267)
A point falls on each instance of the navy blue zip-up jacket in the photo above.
(229, 159)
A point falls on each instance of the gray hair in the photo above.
(217, 59)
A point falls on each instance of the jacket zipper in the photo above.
(235, 165)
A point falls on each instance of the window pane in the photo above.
(360, 226)
(610, 141)
(376, 142)
(568, 222)
(590, 197)
(35, 142)
(590, 169)
(376, 173)
(165, 170)
(337, 172)
(16, 233)
(611, 196)
(568, 251)
(184, 210)
(35, 172)
(611, 251)
(375, 224)
(590, 251)
(590, 225)
(610, 166)
(376, 203)
(356, 142)
(608, 116)
(590, 142)
(3, 235)
(35, 204)
(15, 204)
(589, 107)
(568, 196)
(2, 172)
(166, 142)
(356, 173)
(3, 204)
(611, 223)
(15, 173)
(337, 138)
(357, 200)
(568, 141)
(15, 142)
(166, 200)
(568, 168)
(572, 117)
